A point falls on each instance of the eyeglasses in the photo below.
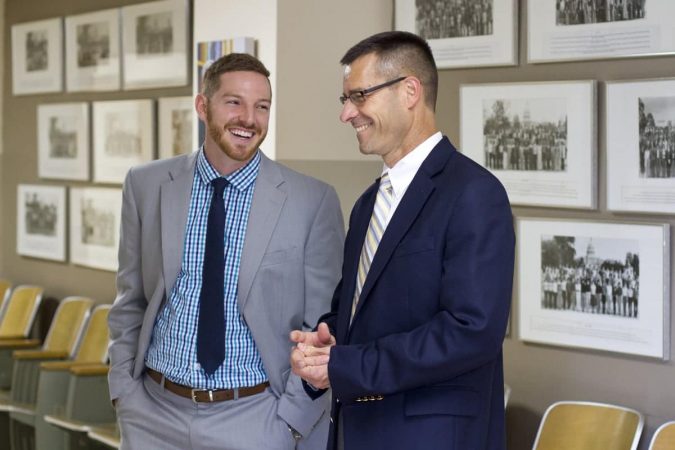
(359, 97)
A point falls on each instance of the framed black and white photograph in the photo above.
(641, 146)
(37, 57)
(63, 141)
(123, 137)
(94, 227)
(539, 139)
(175, 117)
(564, 30)
(595, 285)
(155, 44)
(205, 53)
(464, 33)
(41, 221)
(93, 51)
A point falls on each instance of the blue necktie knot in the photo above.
(219, 184)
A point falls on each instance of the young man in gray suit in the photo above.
(223, 252)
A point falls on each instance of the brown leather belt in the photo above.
(205, 395)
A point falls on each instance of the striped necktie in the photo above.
(376, 227)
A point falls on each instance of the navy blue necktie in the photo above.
(211, 325)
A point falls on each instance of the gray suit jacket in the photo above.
(290, 265)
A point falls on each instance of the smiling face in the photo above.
(381, 122)
(236, 118)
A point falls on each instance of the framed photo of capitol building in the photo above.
(464, 33)
(565, 30)
(595, 285)
(63, 141)
(539, 139)
(37, 57)
(41, 221)
(641, 146)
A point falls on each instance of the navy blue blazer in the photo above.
(420, 367)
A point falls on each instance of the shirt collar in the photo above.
(240, 178)
(403, 172)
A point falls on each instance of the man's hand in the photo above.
(309, 358)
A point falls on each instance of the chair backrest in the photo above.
(94, 344)
(5, 291)
(67, 325)
(22, 307)
(507, 394)
(586, 425)
(664, 437)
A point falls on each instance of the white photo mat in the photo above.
(601, 32)
(93, 51)
(63, 141)
(95, 215)
(633, 317)
(492, 40)
(123, 137)
(155, 44)
(640, 155)
(175, 119)
(41, 221)
(37, 57)
(556, 138)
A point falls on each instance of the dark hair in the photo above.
(400, 53)
(234, 62)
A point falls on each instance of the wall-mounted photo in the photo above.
(63, 141)
(564, 30)
(539, 139)
(641, 146)
(464, 33)
(595, 285)
(205, 53)
(155, 44)
(175, 117)
(37, 57)
(93, 51)
(94, 227)
(123, 137)
(41, 221)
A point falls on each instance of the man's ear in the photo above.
(413, 91)
(201, 103)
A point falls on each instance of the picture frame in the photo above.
(599, 30)
(37, 57)
(41, 221)
(641, 146)
(123, 136)
(95, 215)
(539, 139)
(155, 44)
(463, 34)
(595, 285)
(63, 141)
(175, 119)
(206, 52)
(93, 51)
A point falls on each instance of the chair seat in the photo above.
(107, 434)
(62, 421)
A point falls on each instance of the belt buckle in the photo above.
(193, 394)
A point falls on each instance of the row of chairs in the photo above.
(54, 394)
(591, 426)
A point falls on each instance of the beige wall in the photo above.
(311, 37)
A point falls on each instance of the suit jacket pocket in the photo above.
(451, 400)
(414, 245)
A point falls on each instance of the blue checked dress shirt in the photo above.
(172, 349)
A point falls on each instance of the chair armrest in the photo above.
(39, 354)
(90, 370)
(19, 343)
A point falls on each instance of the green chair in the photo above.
(61, 342)
(5, 292)
(664, 437)
(55, 379)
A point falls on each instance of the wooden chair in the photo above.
(60, 343)
(56, 378)
(664, 437)
(589, 426)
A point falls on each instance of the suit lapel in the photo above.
(268, 200)
(407, 211)
(174, 205)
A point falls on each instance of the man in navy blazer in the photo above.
(413, 354)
